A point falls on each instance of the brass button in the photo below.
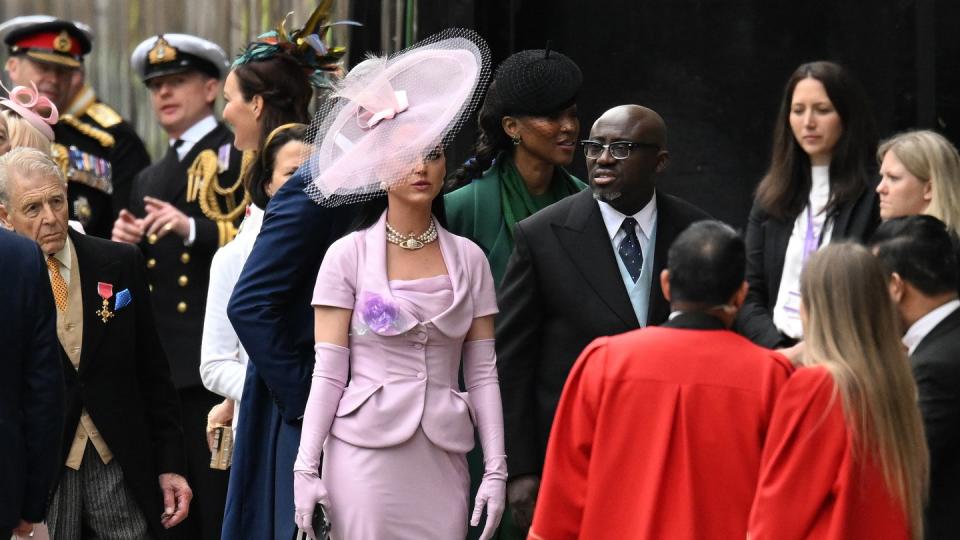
(151, 263)
(182, 307)
(184, 257)
(152, 239)
(151, 287)
(182, 281)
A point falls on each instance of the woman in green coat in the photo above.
(528, 133)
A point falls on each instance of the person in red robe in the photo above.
(847, 417)
(659, 431)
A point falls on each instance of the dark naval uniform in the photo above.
(200, 185)
(179, 274)
(100, 154)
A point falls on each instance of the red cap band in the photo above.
(55, 41)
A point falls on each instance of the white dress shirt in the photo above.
(786, 312)
(646, 220)
(223, 361)
(924, 325)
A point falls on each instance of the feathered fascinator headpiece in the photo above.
(389, 113)
(305, 44)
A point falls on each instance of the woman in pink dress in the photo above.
(399, 302)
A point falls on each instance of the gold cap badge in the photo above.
(162, 52)
(62, 43)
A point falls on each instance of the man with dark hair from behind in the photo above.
(681, 410)
(919, 254)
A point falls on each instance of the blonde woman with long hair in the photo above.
(920, 174)
(845, 455)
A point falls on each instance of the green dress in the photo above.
(485, 211)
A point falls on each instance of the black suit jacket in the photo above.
(767, 238)
(562, 289)
(31, 383)
(123, 380)
(936, 367)
(179, 275)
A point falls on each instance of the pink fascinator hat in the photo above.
(389, 112)
(27, 102)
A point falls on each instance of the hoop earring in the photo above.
(516, 140)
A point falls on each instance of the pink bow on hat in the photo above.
(26, 102)
(366, 118)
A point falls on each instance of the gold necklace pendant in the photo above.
(411, 243)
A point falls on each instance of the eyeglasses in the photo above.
(618, 149)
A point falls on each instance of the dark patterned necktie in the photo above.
(629, 249)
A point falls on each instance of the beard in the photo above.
(605, 196)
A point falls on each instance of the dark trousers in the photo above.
(209, 485)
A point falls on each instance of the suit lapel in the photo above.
(584, 238)
(93, 270)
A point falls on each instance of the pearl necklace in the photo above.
(412, 242)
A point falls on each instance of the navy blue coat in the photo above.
(270, 310)
(31, 383)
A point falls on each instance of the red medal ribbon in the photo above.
(105, 289)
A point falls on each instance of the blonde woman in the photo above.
(920, 174)
(845, 455)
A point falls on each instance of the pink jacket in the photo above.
(403, 373)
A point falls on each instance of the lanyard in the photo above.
(811, 240)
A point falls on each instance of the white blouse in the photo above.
(786, 312)
(223, 361)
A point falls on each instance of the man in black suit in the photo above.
(179, 230)
(582, 268)
(31, 381)
(122, 453)
(919, 255)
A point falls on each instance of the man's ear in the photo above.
(741, 295)
(665, 283)
(5, 218)
(663, 159)
(897, 287)
(211, 89)
(13, 63)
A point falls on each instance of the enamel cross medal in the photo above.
(106, 291)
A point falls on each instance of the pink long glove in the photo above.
(483, 388)
(329, 379)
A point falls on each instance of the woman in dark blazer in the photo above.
(819, 188)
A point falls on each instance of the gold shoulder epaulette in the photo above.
(104, 115)
(105, 139)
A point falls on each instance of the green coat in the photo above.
(474, 211)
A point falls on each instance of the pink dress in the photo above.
(394, 462)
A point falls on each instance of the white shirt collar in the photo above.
(613, 218)
(63, 256)
(193, 135)
(924, 325)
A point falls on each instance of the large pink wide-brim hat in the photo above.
(389, 113)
